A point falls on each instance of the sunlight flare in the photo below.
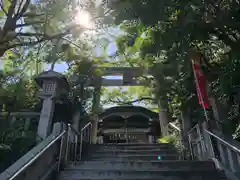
(83, 18)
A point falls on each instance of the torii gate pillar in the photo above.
(95, 111)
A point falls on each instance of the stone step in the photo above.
(129, 178)
(132, 149)
(131, 152)
(126, 157)
(137, 174)
(144, 165)
(133, 146)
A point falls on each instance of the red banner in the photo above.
(200, 83)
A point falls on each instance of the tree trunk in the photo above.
(53, 65)
(185, 128)
(163, 115)
(219, 112)
(95, 111)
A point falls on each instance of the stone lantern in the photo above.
(52, 86)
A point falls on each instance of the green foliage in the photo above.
(172, 139)
(34, 34)
(163, 34)
(156, 35)
(16, 94)
(15, 142)
(167, 139)
(129, 96)
(42, 23)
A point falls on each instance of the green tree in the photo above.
(163, 35)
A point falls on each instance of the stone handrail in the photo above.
(28, 117)
(224, 151)
(44, 160)
(174, 127)
(21, 113)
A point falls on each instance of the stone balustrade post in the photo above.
(12, 119)
(150, 139)
(26, 124)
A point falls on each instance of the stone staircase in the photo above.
(138, 162)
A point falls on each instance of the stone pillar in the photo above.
(100, 139)
(150, 130)
(76, 120)
(52, 85)
(12, 119)
(45, 122)
(163, 119)
(150, 139)
(26, 124)
(95, 110)
(58, 127)
(185, 128)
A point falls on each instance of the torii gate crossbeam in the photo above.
(129, 76)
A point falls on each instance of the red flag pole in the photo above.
(199, 91)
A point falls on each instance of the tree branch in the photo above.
(30, 14)
(30, 34)
(44, 38)
(130, 102)
(1, 6)
(10, 22)
(19, 7)
(71, 42)
(23, 10)
(11, 9)
(28, 24)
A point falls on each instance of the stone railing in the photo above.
(46, 159)
(30, 166)
(27, 118)
(224, 151)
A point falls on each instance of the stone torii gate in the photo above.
(129, 75)
(129, 78)
(53, 85)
